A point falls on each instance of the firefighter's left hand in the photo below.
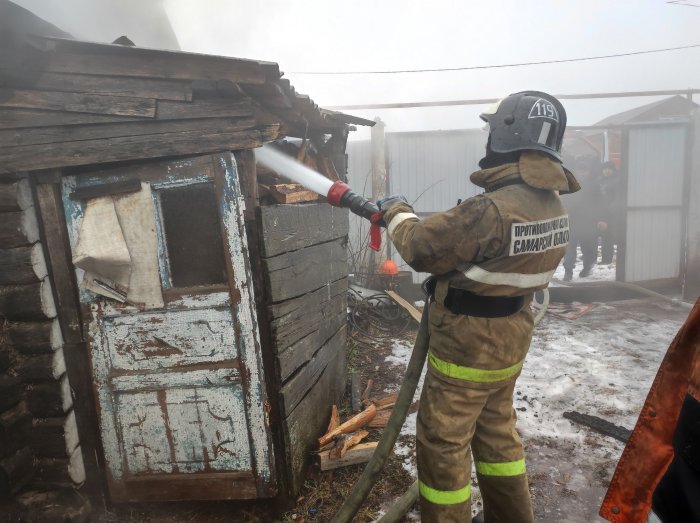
(385, 204)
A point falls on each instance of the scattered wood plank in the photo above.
(386, 401)
(334, 422)
(351, 425)
(600, 425)
(291, 193)
(346, 442)
(359, 454)
(355, 387)
(78, 102)
(415, 313)
(381, 419)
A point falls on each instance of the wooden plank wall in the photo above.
(74, 106)
(305, 266)
(39, 443)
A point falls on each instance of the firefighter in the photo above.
(488, 256)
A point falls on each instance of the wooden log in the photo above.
(27, 302)
(15, 196)
(10, 391)
(294, 390)
(54, 437)
(78, 102)
(346, 441)
(70, 133)
(85, 83)
(151, 63)
(356, 392)
(386, 401)
(293, 227)
(15, 429)
(60, 472)
(16, 471)
(293, 320)
(296, 355)
(361, 453)
(356, 422)
(381, 419)
(41, 367)
(34, 337)
(18, 228)
(415, 313)
(49, 399)
(334, 422)
(296, 273)
(126, 148)
(22, 265)
(287, 193)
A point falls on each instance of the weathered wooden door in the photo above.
(176, 363)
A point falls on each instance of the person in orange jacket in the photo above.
(658, 475)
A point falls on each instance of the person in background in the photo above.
(612, 192)
(586, 214)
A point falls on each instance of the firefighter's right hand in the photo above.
(385, 204)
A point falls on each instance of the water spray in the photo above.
(338, 194)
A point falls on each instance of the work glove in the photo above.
(388, 202)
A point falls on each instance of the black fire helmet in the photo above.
(529, 120)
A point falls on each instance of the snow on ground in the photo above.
(600, 364)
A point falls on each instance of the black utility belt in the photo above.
(459, 301)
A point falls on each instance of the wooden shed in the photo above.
(166, 335)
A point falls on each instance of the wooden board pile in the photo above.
(341, 445)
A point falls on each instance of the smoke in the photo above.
(145, 22)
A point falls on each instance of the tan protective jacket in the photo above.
(505, 242)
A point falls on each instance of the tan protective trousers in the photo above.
(451, 418)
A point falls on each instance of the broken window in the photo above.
(191, 236)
